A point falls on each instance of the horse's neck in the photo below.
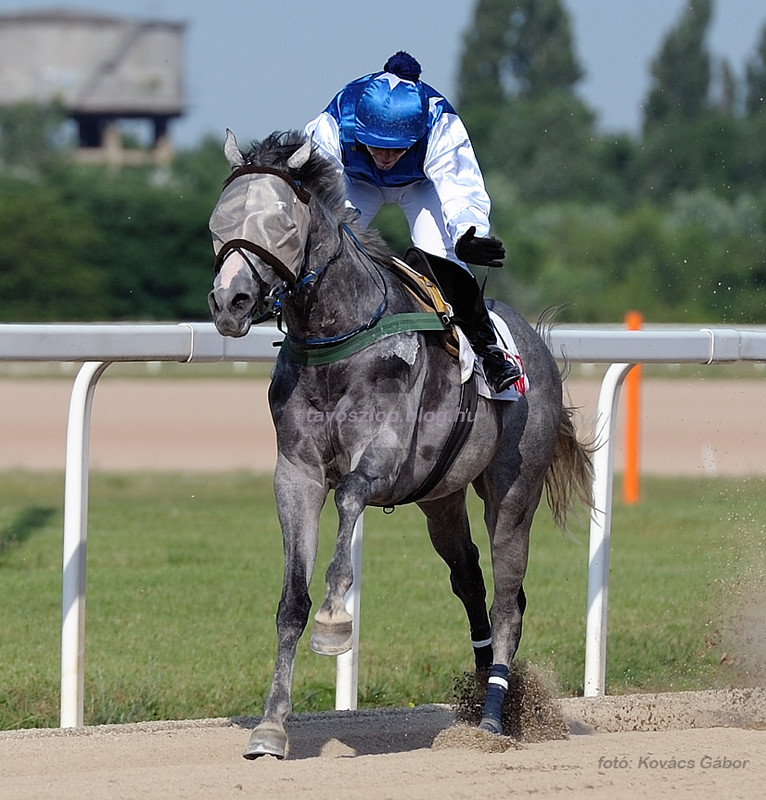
(348, 293)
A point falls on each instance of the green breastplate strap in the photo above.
(388, 326)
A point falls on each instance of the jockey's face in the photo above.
(384, 157)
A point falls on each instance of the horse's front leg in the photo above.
(333, 625)
(299, 503)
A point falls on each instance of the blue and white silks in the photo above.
(437, 183)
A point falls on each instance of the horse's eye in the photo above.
(241, 300)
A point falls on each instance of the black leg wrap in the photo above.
(481, 640)
(497, 686)
(483, 657)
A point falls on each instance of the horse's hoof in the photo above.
(268, 739)
(491, 726)
(332, 639)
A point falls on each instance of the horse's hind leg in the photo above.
(450, 534)
(508, 523)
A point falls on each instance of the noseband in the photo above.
(269, 217)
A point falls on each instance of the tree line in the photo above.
(670, 221)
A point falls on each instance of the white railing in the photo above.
(97, 346)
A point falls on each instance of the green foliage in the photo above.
(88, 243)
(514, 50)
(517, 48)
(702, 259)
(184, 575)
(681, 72)
(756, 80)
(480, 81)
(392, 224)
(157, 253)
(49, 267)
(604, 223)
(28, 134)
(553, 155)
(671, 222)
(712, 151)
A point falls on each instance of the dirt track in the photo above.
(688, 427)
(660, 746)
(619, 748)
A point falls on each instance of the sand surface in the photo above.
(697, 744)
(687, 426)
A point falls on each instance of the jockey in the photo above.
(397, 140)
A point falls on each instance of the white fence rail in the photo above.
(97, 346)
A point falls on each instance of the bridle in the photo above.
(290, 284)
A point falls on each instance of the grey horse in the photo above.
(365, 399)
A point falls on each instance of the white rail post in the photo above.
(347, 664)
(600, 531)
(75, 545)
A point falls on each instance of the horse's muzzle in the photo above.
(231, 317)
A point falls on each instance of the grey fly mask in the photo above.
(265, 212)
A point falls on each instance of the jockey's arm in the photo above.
(326, 136)
(451, 165)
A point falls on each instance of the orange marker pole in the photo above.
(630, 490)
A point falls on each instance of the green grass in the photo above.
(184, 574)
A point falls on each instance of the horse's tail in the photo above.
(569, 478)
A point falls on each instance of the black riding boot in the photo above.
(462, 291)
(500, 373)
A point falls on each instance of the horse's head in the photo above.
(260, 228)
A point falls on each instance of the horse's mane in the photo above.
(321, 178)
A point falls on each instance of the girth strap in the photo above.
(461, 427)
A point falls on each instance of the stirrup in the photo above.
(507, 380)
(501, 381)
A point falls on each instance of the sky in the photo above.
(258, 66)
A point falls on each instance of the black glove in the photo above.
(484, 252)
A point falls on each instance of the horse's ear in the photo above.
(231, 151)
(301, 155)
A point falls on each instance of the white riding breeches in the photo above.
(419, 203)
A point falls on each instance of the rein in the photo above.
(317, 350)
(330, 341)
(336, 351)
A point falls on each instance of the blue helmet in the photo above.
(392, 112)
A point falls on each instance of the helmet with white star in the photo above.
(392, 111)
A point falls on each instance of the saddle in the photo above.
(418, 276)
